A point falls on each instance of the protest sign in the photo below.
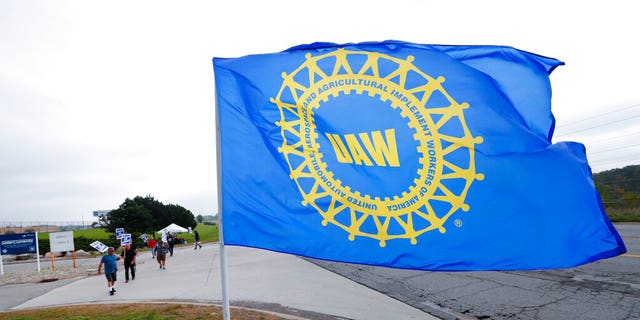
(99, 246)
(126, 239)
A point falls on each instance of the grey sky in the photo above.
(100, 101)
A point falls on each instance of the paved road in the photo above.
(257, 278)
(606, 289)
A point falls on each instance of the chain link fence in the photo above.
(43, 226)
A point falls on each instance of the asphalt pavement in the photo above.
(607, 289)
(257, 278)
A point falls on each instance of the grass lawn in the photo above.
(95, 234)
(624, 215)
(208, 233)
(137, 311)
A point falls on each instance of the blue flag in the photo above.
(404, 155)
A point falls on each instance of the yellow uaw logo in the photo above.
(429, 198)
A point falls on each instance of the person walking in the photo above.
(152, 244)
(171, 240)
(110, 262)
(161, 253)
(196, 240)
(129, 253)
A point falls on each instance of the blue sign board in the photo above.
(18, 243)
(99, 213)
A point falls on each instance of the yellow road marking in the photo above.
(631, 255)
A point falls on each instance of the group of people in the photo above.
(110, 262)
(160, 248)
(159, 251)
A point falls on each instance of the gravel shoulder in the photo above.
(26, 271)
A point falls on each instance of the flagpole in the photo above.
(223, 252)
(38, 250)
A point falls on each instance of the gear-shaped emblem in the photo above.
(441, 182)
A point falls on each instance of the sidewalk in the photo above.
(258, 278)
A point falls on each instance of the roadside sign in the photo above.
(99, 213)
(61, 241)
(18, 243)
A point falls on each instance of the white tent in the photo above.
(173, 228)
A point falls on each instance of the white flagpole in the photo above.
(38, 251)
(223, 253)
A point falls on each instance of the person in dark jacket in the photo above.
(171, 241)
(129, 253)
(196, 240)
(161, 253)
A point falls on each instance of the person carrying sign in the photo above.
(110, 261)
(171, 241)
(129, 253)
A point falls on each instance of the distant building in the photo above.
(210, 218)
(103, 218)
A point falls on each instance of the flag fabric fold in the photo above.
(404, 155)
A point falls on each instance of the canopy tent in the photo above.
(173, 228)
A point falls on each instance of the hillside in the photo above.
(627, 178)
(620, 192)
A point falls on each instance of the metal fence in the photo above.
(42, 226)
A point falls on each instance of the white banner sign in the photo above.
(126, 239)
(119, 233)
(99, 246)
(61, 241)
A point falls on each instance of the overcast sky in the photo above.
(104, 100)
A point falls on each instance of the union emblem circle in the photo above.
(428, 200)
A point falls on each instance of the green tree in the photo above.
(146, 214)
(133, 217)
(630, 199)
(199, 218)
(180, 216)
(157, 210)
